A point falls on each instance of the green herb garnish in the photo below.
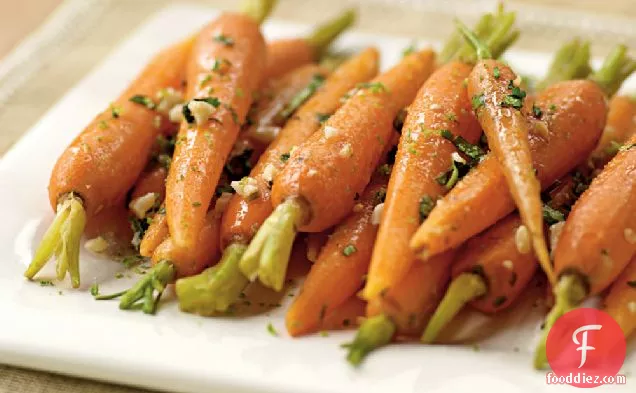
(551, 215)
(271, 330)
(477, 101)
(426, 206)
(496, 73)
(223, 39)
(373, 87)
(143, 100)
(284, 157)
(322, 117)
(536, 111)
(348, 250)
(302, 96)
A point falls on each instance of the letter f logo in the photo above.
(583, 344)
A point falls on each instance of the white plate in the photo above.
(63, 330)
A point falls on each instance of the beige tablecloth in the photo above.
(80, 33)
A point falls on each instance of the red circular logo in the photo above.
(586, 348)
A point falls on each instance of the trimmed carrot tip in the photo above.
(62, 239)
(258, 10)
(267, 256)
(217, 288)
(617, 67)
(142, 294)
(374, 333)
(462, 290)
(568, 293)
(324, 35)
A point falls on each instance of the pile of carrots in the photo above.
(444, 182)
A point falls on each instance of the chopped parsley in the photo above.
(477, 101)
(316, 81)
(348, 250)
(496, 73)
(220, 65)
(632, 283)
(474, 152)
(385, 169)
(380, 195)
(536, 111)
(103, 125)
(552, 107)
(551, 215)
(115, 111)
(515, 98)
(205, 80)
(210, 100)
(196, 204)
(499, 300)
(94, 289)
(143, 100)
(284, 157)
(233, 113)
(223, 39)
(46, 283)
(322, 117)
(426, 206)
(373, 87)
(271, 329)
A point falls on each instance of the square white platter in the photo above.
(62, 330)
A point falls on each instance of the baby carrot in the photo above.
(317, 187)
(570, 110)
(223, 74)
(597, 241)
(620, 301)
(103, 162)
(497, 102)
(156, 233)
(343, 317)
(621, 124)
(423, 154)
(171, 262)
(403, 309)
(246, 212)
(151, 182)
(342, 263)
(490, 271)
(287, 54)
(264, 117)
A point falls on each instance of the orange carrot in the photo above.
(287, 54)
(318, 186)
(497, 102)
(151, 182)
(490, 272)
(620, 301)
(223, 75)
(571, 110)
(156, 233)
(245, 213)
(103, 162)
(342, 263)
(621, 124)
(343, 317)
(423, 154)
(597, 241)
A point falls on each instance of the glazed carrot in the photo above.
(597, 241)
(265, 121)
(404, 309)
(109, 231)
(246, 213)
(343, 317)
(621, 124)
(223, 74)
(151, 182)
(620, 301)
(342, 263)
(497, 102)
(171, 262)
(287, 54)
(317, 187)
(571, 110)
(490, 272)
(103, 162)
(423, 154)
(156, 233)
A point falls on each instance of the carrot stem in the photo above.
(259, 10)
(62, 239)
(463, 289)
(267, 256)
(568, 293)
(374, 333)
(571, 61)
(326, 33)
(217, 288)
(155, 280)
(480, 47)
(501, 35)
(464, 50)
(617, 67)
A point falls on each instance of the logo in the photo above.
(586, 342)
